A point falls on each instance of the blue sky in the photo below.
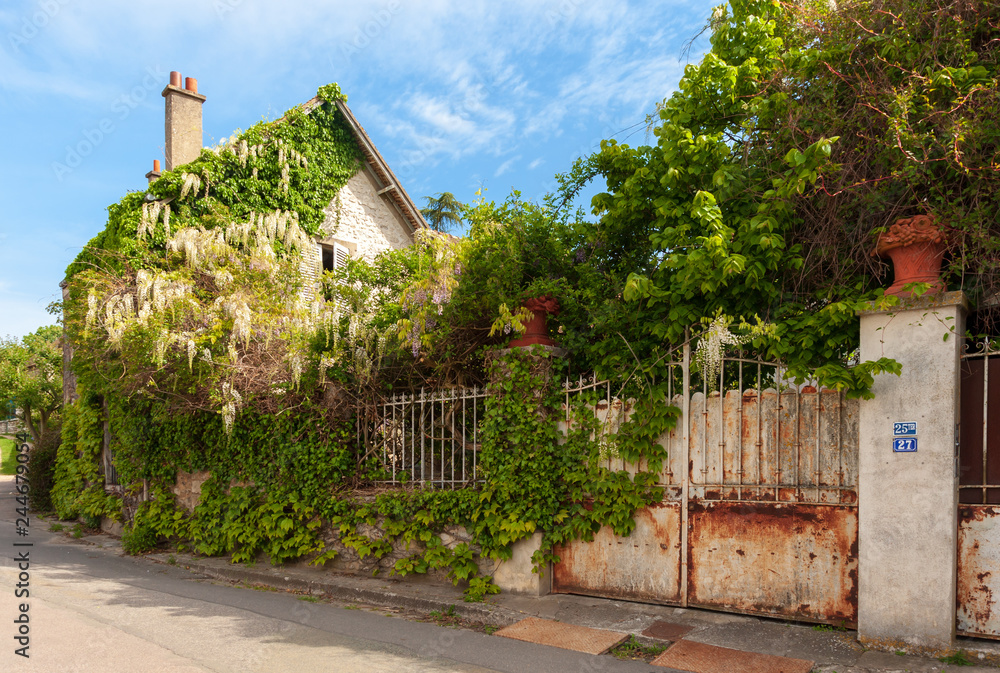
(454, 95)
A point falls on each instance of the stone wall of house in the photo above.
(366, 222)
(347, 559)
(188, 488)
(188, 492)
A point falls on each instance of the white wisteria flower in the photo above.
(712, 347)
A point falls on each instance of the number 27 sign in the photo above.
(904, 444)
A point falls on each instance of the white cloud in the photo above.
(505, 166)
(536, 163)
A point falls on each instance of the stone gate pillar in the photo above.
(907, 475)
(516, 575)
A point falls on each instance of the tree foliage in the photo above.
(805, 131)
(31, 376)
(443, 212)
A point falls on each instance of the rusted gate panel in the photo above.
(760, 509)
(776, 559)
(979, 570)
(644, 566)
(979, 493)
(772, 518)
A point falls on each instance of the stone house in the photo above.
(371, 213)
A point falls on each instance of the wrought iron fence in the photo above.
(430, 438)
(750, 435)
(111, 482)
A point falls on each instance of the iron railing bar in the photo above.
(760, 431)
(777, 434)
(722, 420)
(986, 400)
(686, 464)
(453, 439)
(423, 455)
(818, 466)
(798, 443)
(739, 429)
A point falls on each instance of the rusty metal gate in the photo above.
(760, 507)
(979, 493)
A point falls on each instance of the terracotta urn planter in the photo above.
(537, 329)
(916, 246)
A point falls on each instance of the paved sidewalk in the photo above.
(832, 651)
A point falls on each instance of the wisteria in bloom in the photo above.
(712, 347)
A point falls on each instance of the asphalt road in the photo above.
(90, 609)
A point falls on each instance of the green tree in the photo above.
(443, 212)
(805, 131)
(31, 376)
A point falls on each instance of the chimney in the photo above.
(183, 121)
(155, 173)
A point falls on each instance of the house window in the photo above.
(334, 256)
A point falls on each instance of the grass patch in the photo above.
(636, 651)
(958, 658)
(8, 463)
(446, 617)
(829, 627)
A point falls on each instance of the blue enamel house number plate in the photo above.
(905, 439)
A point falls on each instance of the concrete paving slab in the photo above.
(700, 658)
(890, 661)
(566, 636)
(783, 639)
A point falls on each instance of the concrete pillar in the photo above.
(908, 501)
(517, 575)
